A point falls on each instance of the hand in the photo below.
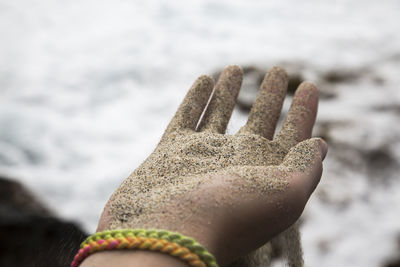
(232, 193)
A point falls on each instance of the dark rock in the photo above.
(395, 108)
(381, 165)
(341, 76)
(17, 202)
(379, 158)
(323, 129)
(31, 235)
(377, 163)
(252, 79)
(39, 241)
(350, 75)
(395, 261)
(260, 73)
(326, 94)
(295, 79)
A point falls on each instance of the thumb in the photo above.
(304, 163)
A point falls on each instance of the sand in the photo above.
(188, 158)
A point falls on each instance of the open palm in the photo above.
(212, 186)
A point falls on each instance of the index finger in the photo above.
(192, 106)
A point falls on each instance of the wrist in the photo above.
(131, 258)
(174, 244)
(197, 227)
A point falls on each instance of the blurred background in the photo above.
(87, 88)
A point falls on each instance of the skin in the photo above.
(242, 220)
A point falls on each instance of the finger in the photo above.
(301, 116)
(219, 110)
(266, 109)
(192, 106)
(304, 163)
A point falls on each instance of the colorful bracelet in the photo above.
(174, 244)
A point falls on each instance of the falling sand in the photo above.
(249, 163)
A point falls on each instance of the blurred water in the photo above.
(87, 88)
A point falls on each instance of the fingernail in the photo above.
(323, 148)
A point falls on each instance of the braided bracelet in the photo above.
(174, 244)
